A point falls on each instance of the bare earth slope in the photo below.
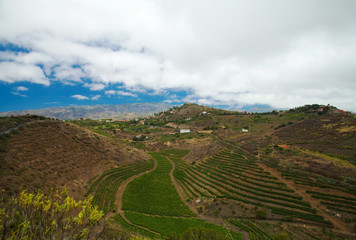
(53, 154)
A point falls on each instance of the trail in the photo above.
(338, 223)
(17, 126)
(176, 186)
(217, 221)
(120, 195)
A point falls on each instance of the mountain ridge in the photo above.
(123, 111)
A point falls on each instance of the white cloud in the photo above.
(95, 86)
(123, 93)
(110, 92)
(80, 97)
(120, 93)
(17, 72)
(68, 74)
(19, 94)
(237, 52)
(21, 88)
(96, 97)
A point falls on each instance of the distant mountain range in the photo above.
(121, 111)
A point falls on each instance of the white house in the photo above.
(244, 130)
(184, 130)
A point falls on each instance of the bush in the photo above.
(55, 216)
(261, 214)
(281, 236)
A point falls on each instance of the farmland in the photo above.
(158, 192)
(162, 210)
(107, 185)
(152, 181)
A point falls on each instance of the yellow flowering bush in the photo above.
(54, 216)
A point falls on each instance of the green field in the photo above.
(169, 226)
(152, 202)
(154, 193)
(106, 187)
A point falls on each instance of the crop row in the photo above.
(341, 210)
(192, 184)
(123, 169)
(332, 197)
(224, 177)
(172, 226)
(223, 181)
(312, 217)
(254, 232)
(174, 152)
(118, 219)
(324, 185)
(105, 194)
(237, 165)
(228, 190)
(332, 204)
(262, 187)
(237, 169)
(240, 162)
(301, 179)
(154, 192)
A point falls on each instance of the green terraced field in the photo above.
(154, 193)
(169, 226)
(152, 202)
(106, 187)
(230, 175)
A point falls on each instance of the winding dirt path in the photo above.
(217, 221)
(120, 195)
(176, 186)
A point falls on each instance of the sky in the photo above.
(231, 53)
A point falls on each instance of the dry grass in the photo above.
(52, 154)
(336, 161)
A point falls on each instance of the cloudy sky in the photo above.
(233, 53)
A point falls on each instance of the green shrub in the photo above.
(261, 214)
(281, 236)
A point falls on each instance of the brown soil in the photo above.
(330, 133)
(49, 154)
(300, 190)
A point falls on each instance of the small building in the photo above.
(244, 130)
(184, 130)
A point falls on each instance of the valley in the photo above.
(235, 175)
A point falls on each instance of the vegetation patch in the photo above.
(154, 192)
(170, 226)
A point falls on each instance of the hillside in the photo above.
(120, 111)
(246, 175)
(49, 153)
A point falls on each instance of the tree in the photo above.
(54, 216)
